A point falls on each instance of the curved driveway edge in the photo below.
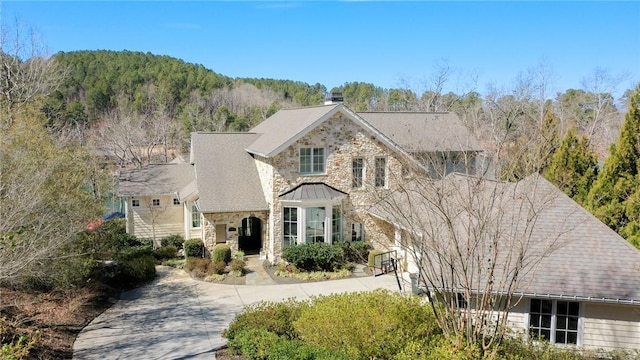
(176, 317)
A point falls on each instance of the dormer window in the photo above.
(312, 161)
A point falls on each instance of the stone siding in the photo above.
(232, 219)
(342, 140)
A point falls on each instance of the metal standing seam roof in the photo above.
(423, 131)
(155, 179)
(226, 175)
(312, 191)
(589, 261)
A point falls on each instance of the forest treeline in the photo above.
(139, 108)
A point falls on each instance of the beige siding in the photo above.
(166, 219)
(611, 326)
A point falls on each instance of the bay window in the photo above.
(311, 224)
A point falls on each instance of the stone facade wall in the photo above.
(232, 219)
(343, 140)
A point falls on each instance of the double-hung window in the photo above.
(135, 203)
(380, 172)
(195, 216)
(357, 170)
(155, 202)
(554, 320)
(312, 161)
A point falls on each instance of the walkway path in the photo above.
(176, 317)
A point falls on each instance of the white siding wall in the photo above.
(168, 218)
(610, 326)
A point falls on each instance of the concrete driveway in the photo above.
(176, 317)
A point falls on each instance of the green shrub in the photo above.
(175, 263)
(222, 252)
(315, 257)
(372, 255)
(134, 252)
(276, 317)
(127, 274)
(239, 254)
(165, 252)
(355, 251)
(172, 240)
(218, 267)
(237, 265)
(285, 349)
(193, 248)
(253, 343)
(390, 321)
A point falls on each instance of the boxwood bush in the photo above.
(222, 252)
(172, 240)
(355, 251)
(315, 257)
(193, 248)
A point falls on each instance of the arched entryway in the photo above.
(250, 235)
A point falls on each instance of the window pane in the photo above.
(572, 338)
(535, 305)
(546, 334)
(561, 322)
(357, 232)
(560, 337)
(305, 160)
(380, 172)
(336, 224)
(546, 321)
(535, 320)
(195, 217)
(314, 227)
(562, 307)
(357, 166)
(318, 160)
(573, 323)
(290, 226)
(547, 306)
(574, 308)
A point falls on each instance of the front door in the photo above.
(250, 235)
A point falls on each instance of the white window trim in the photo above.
(324, 159)
(154, 204)
(554, 308)
(364, 173)
(302, 219)
(386, 172)
(136, 204)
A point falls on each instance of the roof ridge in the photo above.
(403, 112)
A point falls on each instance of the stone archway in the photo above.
(250, 235)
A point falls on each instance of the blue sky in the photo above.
(388, 44)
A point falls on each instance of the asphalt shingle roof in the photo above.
(156, 179)
(286, 126)
(226, 175)
(423, 131)
(570, 253)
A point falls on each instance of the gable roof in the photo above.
(156, 179)
(312, 191)
(576, 255)
(286, 126)
(423, 131)
(226, 175)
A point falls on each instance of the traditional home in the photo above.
(574, 280)
(302, 175)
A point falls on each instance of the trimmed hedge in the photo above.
(172, 240)
(222, 252)
(193, 248)
(315, 257)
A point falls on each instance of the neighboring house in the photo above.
(302, 175)
(580, 282)
(160, 201)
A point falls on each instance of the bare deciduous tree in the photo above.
(473, 241)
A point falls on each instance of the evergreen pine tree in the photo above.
(615, 195)
(574, 167)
